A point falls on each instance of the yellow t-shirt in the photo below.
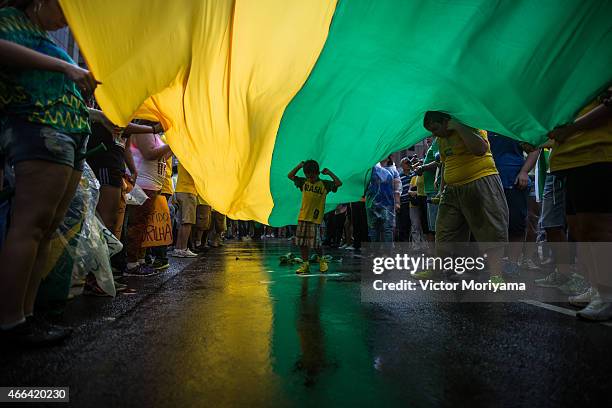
(185, 183)
(167, 187)
(583, 148)
(420, 183)
(313, 198)
(460, 165)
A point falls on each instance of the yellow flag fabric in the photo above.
(217, 74)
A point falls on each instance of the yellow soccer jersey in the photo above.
(185, 183)
(460, 165)
(313, 198)
(583, 148)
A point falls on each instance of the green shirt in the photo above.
(38, 96)
(429, 176)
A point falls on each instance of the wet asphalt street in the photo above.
(234, 328)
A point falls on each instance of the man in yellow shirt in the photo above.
(473, 199)
(314, 191)
(582, 152)
(186, 197)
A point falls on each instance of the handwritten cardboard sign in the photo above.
(158, 230)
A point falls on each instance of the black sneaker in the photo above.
(140, 270)
(149, 259)
(32, 333)
(46, 324)
(199, 249)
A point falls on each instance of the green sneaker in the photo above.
(284, 259)
(497, 279)
(425, 274)
(160, 264)
(553, 280)
(575, 285)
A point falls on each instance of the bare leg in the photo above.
(41, 187)
(557, 234)
(43, 250)
(515, 251)
(108, 206)
(304, 251)
(183, 236)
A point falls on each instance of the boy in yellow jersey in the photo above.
(582, 153)
(473, 199)
(314, 190)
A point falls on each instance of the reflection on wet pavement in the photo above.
(235, 328)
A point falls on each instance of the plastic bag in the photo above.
(136, 197)
(79, 246)
(95, 254)
(64, 246)
(92, 253)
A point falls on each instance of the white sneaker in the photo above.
(183, 253)
(350, 248)
(342, 246)
(583, 299)
(598, 310)
(190, 253)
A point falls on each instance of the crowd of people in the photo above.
(469, 185)
(474, 185)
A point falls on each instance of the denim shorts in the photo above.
(21, 140)
(432, 212)
(553, 202)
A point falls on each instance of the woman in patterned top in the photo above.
(43, 134)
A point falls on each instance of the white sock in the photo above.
(9, 326)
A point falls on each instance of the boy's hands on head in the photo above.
(326, 171)
(293, 172)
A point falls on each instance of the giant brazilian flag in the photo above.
(248, 88)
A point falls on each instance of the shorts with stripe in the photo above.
(109, 176)
(308, 234)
